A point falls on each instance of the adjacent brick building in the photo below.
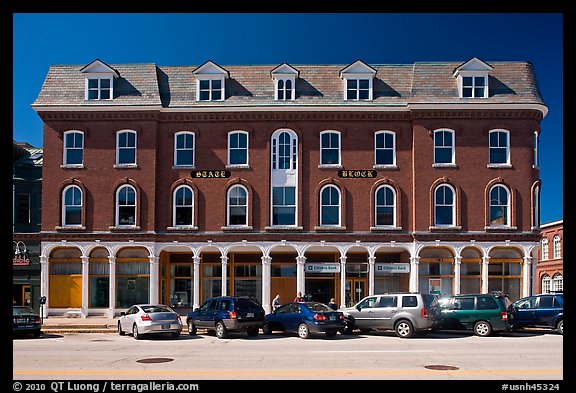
(550, 266)
(162, 183)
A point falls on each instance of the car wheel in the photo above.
(267, 329)
(303, 331)
(331, 333)
(135, 333)
(404, 329)
(560, 327)
(191, 328)
(36, 333)
(253, 332)
(348, 326)
(482, 329)
(120, 331)
(175, 334)
(221, 331)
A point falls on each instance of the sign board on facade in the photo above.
(435, 285)
(322, 268)
(357, 173)
(214, 174)
(20, 261)
(381, 268)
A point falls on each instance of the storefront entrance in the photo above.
(320, 289)
(355, 290)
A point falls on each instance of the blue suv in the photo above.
(226, 314)
(546, 310)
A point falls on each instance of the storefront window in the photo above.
(248, 281)
(99, 284)
(181, 285)
(132, 283)
(470, 277)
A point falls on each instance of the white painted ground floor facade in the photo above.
(105, 277)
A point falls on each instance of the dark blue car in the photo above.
(546, 310)
(304, 319)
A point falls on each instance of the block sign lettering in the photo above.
(357, 173)
(213, 174)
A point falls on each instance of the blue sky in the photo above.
(40, 40)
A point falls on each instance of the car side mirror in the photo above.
(358, 307)
(122, 313)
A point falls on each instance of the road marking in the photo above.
(384, 351)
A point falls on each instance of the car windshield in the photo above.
(246, 304)
(22, 310)
(318, 307)
(158, 308)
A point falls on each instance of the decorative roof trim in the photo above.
(474, 64)
(358, 67)
(284, 69)
(98, 65)
(216, 69)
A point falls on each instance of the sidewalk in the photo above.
(90, 324)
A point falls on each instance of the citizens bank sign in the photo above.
(392, 268)
(322, 268)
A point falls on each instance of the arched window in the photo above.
(237, 148)
(444, 206)
(237, 206)
(546, 284)
(536, 207)
(330, 206)
(385, 148)
(183, 214)
(499, 146)
(499, 206)
(557, 247)
(284, 150)
(126, 206)
(385, 213)
(184, 143)
(72, 206)
(73, 148)
(444, 147)
(126, 147)
(558, 283)
(545, 249)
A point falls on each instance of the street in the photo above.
(528, 355)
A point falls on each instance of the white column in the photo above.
(371, 270)
(224, 260)
(154, 281)
(343, 281)
(85, 280)
(44, 279)
(457, 264)
(484, 282)
(266, 264)
(300, 275)
(196, 279)
(414, 262)
(112, 286)
(526, 270)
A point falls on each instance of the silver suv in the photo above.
(405, 313)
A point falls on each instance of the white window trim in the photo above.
(130, 164)
(394, 222)
(272, 225)
(506, 164)
(339, 207)
(546, 283)
(175, 163)
(339, 163)
(287, 177)
(393, 165)
(210, 78)
(453, 224)
(557, 247)
(508, 207)
(545, 249)
(99, 89)
(247, 163)
(472, 74)
(65, 150)
(117, 208)
(283, 78)
(453, 149)
(63, 218)
(358, 78)
(185, 226)
(228, 225)
(536, 163)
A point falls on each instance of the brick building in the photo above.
(177, 183)
(550, 266)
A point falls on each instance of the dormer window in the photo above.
(99, 81)
(284, 82)
(472, 78)
(210, 82)
(358, 80)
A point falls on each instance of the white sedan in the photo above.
(149, 318)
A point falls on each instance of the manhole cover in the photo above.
(154, 360)
(440, 367)
(99, 340)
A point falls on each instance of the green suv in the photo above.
(483, 313)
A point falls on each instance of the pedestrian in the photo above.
(333, 304)
(299, 298)
(276, 303)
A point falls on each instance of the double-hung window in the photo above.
(330, 206)
(444, 206)
(499, 146)
(330, 148)
(183, 214)
(284, 206)
(126, 147)
(443, 147)
(385, 214)
(385, 148)
(126, 206)
(73, 148)
(237, 206)
(184, 143)
(72, 206)
(499, 206)
(238, 148)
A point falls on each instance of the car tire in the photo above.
(267, 329)
(175, 334)
(404, 328)
(348, 326)
(36, 333)
(560, 327)
(192, 328)
(482, 329)
(135, 334)
(120, 331)
(331, 333)
(303, 331)
(221, 331)
(253, 332)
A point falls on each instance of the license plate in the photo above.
(21, 320)
(165, 327)
(250, 315)
(332, 318)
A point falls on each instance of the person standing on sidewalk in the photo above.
(299, 298)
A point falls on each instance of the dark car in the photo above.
(546, 310)
(25, 320)
(226, 314)
(304, 319)
(483, 313)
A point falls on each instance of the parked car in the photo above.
(546, 310)
(405, 313)
(226, 314)
(141, 319)
(483, 313)
(305, 319)
(26, 321)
